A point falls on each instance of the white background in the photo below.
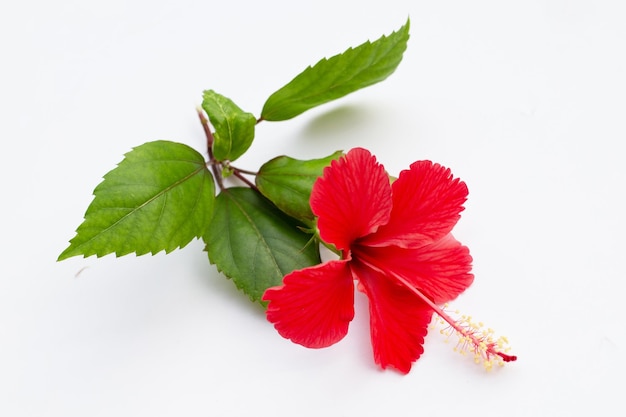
(524, 100)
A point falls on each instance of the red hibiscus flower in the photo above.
(395, 243)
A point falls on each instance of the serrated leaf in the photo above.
(287, 182)
(254, 243)
(234, 128)
(338, 76)
(158, 198)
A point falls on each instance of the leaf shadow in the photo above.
(225, 288)
(348, 122)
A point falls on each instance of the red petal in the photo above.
(314, 305)
(440, 270)
(398, 319)
(427, 202)
(352, 198)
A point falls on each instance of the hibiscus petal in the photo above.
(351, 199)
(427, 202)
(440, 270)
(398, 319)
(314, 306)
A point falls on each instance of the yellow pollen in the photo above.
(475, 339)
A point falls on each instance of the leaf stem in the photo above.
(238, 173)
(243, 171)
(209, 144)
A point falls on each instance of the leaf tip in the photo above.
(69, 252)
(63, 256)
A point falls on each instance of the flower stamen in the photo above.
(473, 337)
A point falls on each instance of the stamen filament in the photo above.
(471, 337)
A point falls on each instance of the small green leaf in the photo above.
(234, 128)
(287, 183)
(158, 198)
(338, 76)
(254, 243)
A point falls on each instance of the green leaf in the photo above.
(254, 243)
(338, 76)
(287, 182)
(158, 198)
(234, 128)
